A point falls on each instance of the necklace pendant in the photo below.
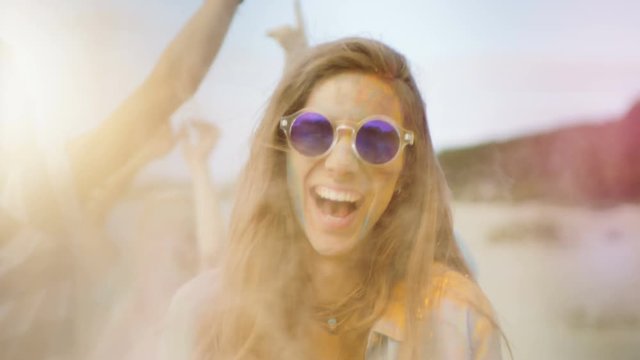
(332, 323)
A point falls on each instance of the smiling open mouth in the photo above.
(336, 203)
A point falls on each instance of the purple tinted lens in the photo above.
(377, 141)
(311, 134)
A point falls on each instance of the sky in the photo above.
(488, 70)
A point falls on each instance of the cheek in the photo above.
(387, 176)
(295, 182)
(385, 181)
(297, 170)
(386, 185)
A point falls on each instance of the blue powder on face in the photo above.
(367, 218)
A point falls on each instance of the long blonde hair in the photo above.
(263, 278)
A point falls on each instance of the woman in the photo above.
(341, 244)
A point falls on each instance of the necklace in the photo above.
(331, 323)
(333, 317)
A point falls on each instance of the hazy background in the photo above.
(564, 278)
(488, 70)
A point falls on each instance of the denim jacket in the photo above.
(458, 313)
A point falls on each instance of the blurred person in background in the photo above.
(340, 242)
(177, 234)
(57, 275)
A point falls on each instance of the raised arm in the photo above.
(210, 226)
(174, 79)
(102, 198)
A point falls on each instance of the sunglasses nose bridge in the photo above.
(340, 159)
(345, 128)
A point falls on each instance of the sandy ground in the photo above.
(565, 281)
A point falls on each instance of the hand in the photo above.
(198, 138)
(293, 39)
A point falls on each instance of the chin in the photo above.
(332, 246)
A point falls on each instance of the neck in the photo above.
(333, 278)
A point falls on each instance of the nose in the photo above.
(341, 161)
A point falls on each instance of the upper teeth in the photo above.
(336, 195)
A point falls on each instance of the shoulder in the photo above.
(463, 320)
(187, 309)
(448, 285)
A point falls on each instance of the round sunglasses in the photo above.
(375, 140)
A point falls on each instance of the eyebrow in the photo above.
(356, 119)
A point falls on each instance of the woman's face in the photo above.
(338, 198)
